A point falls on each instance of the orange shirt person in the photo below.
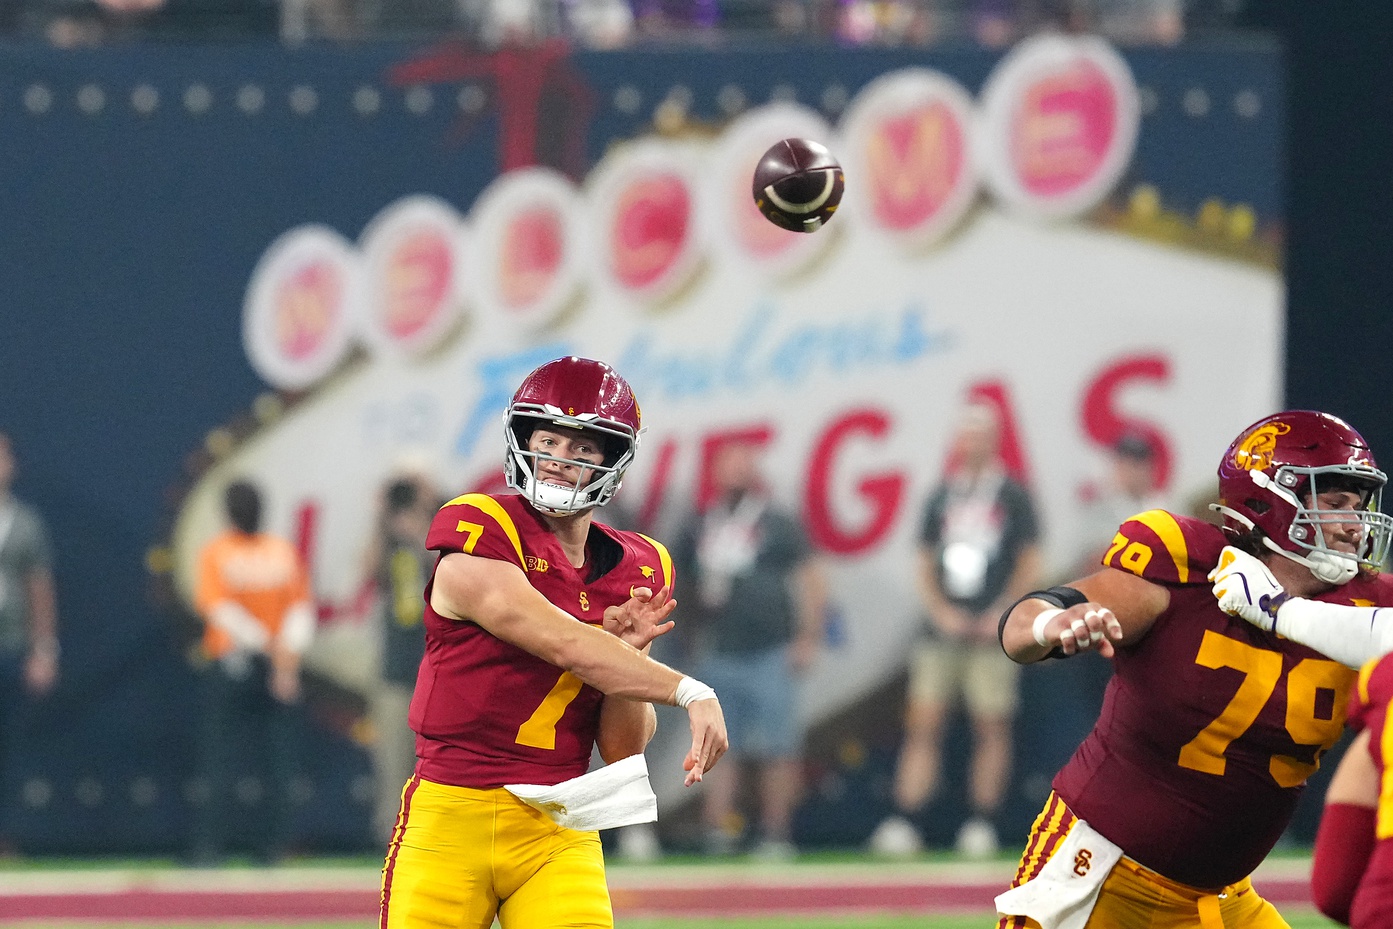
(253, 594)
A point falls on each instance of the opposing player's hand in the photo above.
(709, 741)
(643, 617)
(1082, 628)
(1245, 587)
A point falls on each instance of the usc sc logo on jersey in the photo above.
(1082, 862)
(1255, 452)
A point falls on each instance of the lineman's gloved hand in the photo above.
(1245, 587)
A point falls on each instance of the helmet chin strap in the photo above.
(1326, 567)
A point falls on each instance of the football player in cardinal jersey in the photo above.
(1210, 725)
(538, 621)
(1352, 871)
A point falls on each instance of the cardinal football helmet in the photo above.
(1271, 477)
(576, 393)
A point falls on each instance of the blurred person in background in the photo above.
(1129, 489)
(253, 594)
(400, 564)
(538, 623)
(1133, 22)
(1210, 728)
(666, 19)
(28, 621)
(760, 595)
(73, 23)
(978, 552)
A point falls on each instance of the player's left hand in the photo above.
(642, 618)
(1245, 587)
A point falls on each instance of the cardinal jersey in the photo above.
(1209, 726)
(487, 713)
(1372, 707)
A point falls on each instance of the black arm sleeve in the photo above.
(1062, 597)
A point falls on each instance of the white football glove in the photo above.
(1245, 587)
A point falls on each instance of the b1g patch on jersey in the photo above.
(1163, 547)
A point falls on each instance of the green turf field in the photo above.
(1298, 917)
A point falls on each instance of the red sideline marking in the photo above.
(185, 904)
(756, 900)
(653, 900)
(860, 898)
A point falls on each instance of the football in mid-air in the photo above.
(798, 185)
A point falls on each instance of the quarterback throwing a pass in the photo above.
(538, 621)
(1211, 723)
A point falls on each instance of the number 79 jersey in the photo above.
(1210, 726)
(487, 713)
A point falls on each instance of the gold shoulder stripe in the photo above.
(1365, 673)
(664, 558)
(492, 507)
(1171, 535)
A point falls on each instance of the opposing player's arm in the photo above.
(1118, 607)
(1346, 838)
(1351, 635)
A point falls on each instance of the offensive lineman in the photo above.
(1210, 725)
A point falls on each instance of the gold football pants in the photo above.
(1135, 897)
(459, 856)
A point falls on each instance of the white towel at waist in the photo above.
(1062, 895)
(616, 795)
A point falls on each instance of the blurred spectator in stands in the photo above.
(754, 610)
(73, 23)
(1133, 22)
(978, 553)
(70, 23)
(599, 23)
(329, 19)
(253, 594)
(28, 620)
(663, 19)
(398, 560)
(998, 23)
(1129, 488)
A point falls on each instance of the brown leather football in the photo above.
(798, 184)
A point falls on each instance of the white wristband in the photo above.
(690, 690)
(1037, 628)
